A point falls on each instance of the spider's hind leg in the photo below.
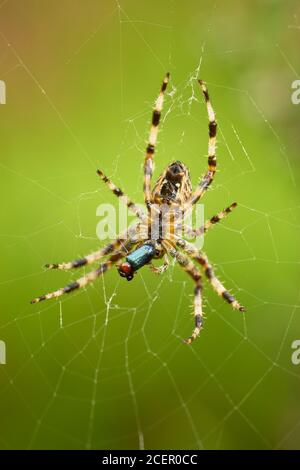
(118, 244)
(216, 284)
(78, 284)
(195, 274)
(89, 277)
(88, 259)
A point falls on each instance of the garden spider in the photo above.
(173, 189)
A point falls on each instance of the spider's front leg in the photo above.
(123, 197)
(148, 163)
(212, 159)
(195, 274)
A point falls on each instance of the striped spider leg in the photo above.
(185, 262)
(193, 233)
(212, 159)
(117, 249)
(148, 163)
(97, 255)
(117, 243)
(123, 197)
(116, 255)
(202, 259)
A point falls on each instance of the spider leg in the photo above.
(89, 277)
(189, 267)
(124, 198)
(160, 269)
(212, 159)
(81, 282)
(202, 259)
(96, 255)
(209, 223)
(148, 163)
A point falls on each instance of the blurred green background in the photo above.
(105, 368)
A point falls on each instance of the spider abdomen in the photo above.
(173, 185)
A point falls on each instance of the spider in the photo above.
(138, 245)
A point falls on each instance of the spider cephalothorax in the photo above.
(156, 234)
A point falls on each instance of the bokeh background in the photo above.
(105, 368)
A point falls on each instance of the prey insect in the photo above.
(138, 246)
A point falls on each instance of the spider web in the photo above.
(106, 367)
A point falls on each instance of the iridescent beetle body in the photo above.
(136, 260)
